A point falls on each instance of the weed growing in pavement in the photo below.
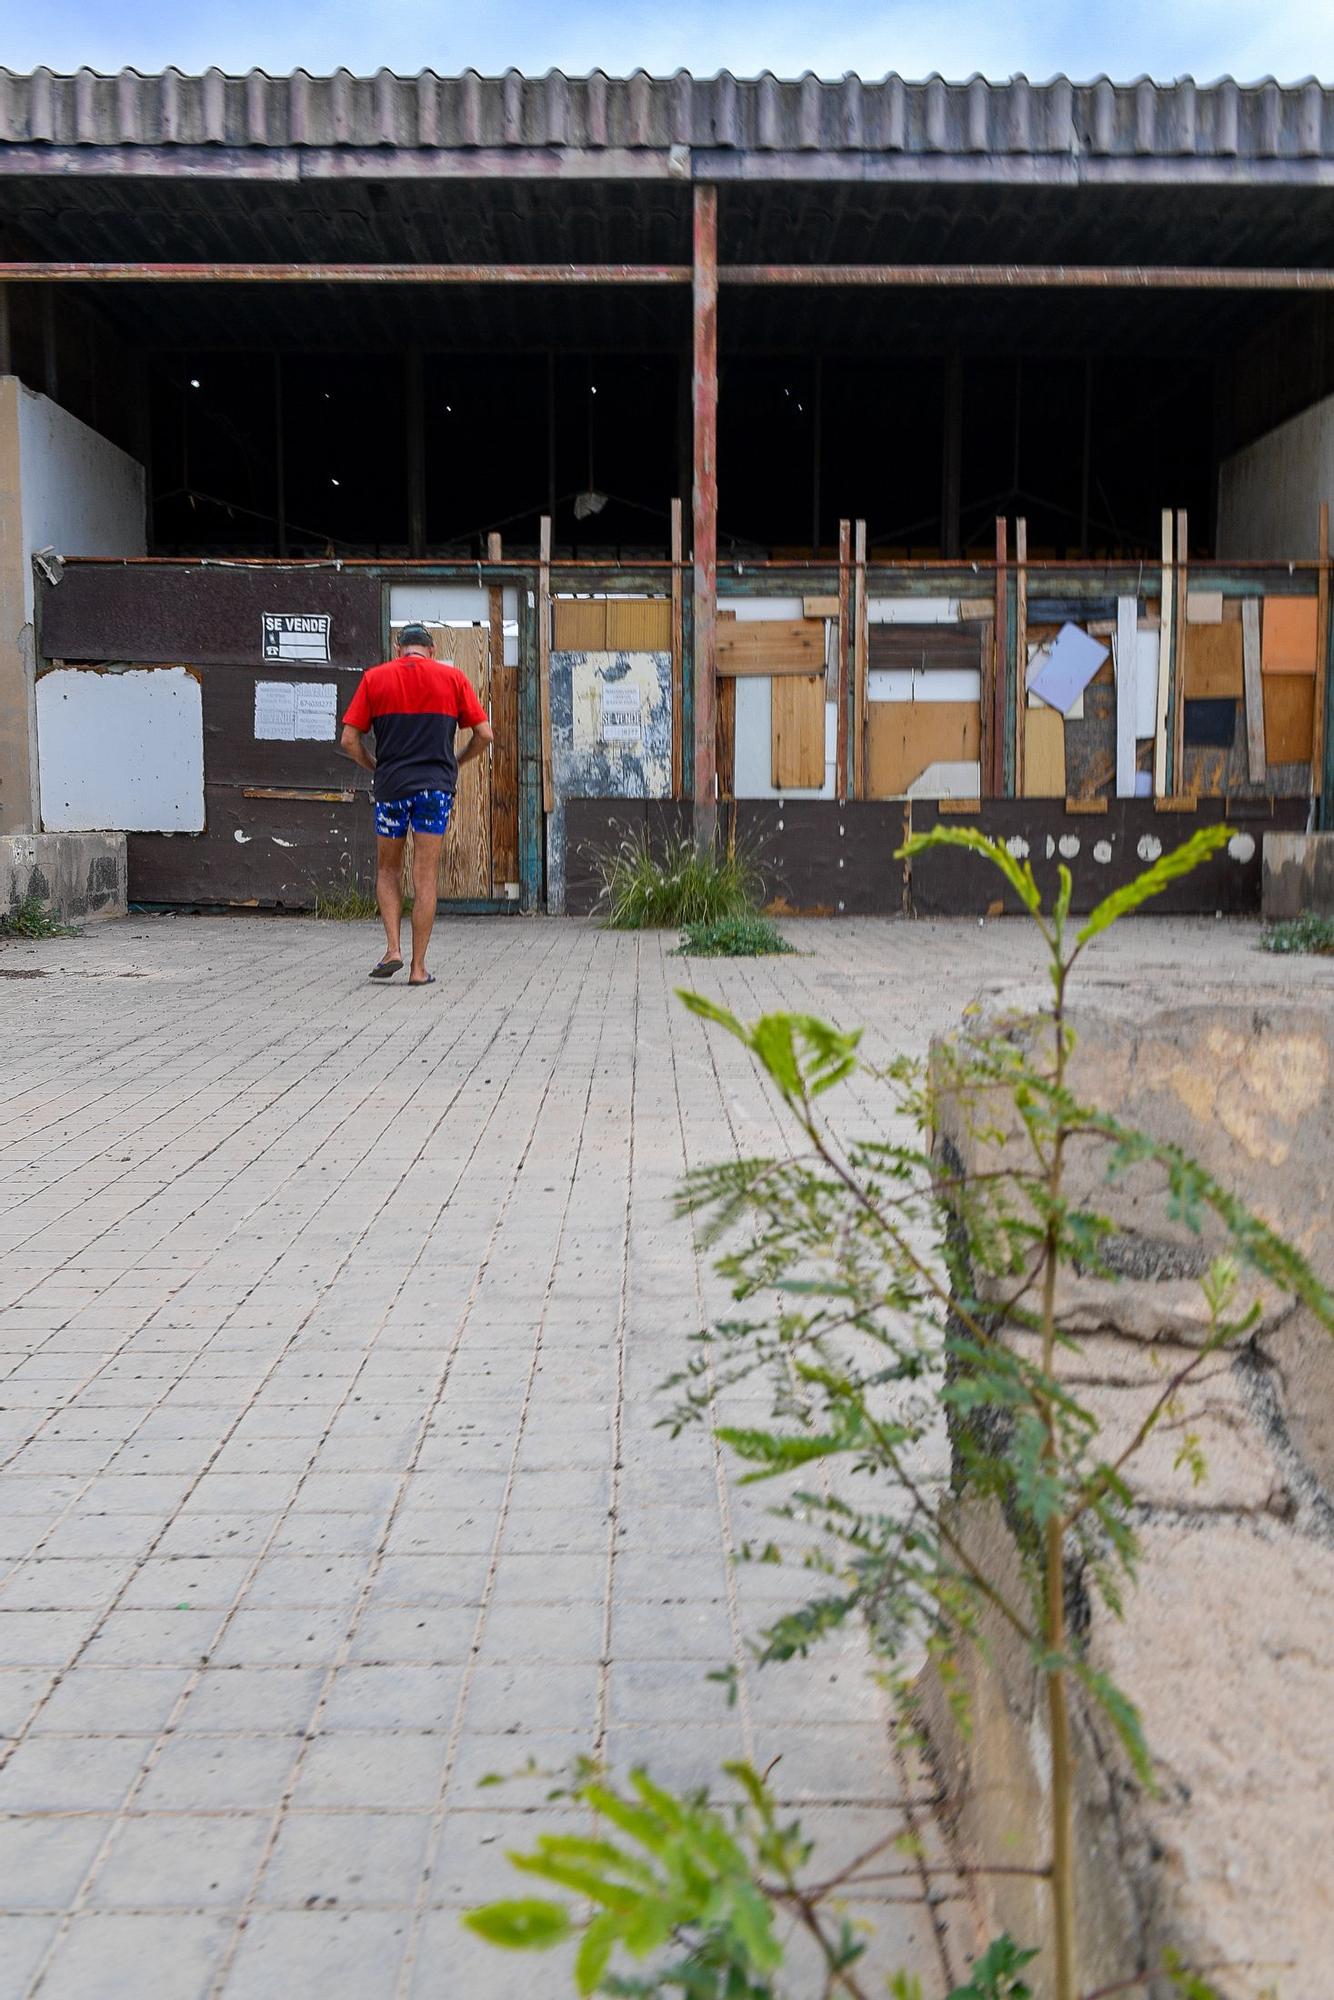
(733, 937)
(873, 1279)
(675, 885)
(349, 903)
(32, 918)
(1306, 933)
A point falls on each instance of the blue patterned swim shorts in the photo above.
(424, 812)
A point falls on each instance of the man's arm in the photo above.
(482, 735)
(353, 744)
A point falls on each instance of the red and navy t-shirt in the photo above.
(415, 706)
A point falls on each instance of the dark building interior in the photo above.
(291, 418)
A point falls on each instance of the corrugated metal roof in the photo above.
(1222, 121)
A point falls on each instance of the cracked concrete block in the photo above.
(1224, 1645)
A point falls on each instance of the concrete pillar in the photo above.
(18, 707)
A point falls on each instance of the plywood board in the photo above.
(579, 625)
(465, 858)
(771, 646)
(1044, 754)
(1289, 717)
(1127, 695)
(1213, 662)
(725, 734)
(905, 738)
(639, 624)
(819, 607)
(1254, 690)
(1288, 636)
(797, 732)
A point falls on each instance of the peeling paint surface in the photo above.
(584, 764)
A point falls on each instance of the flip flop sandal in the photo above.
(386, 968)
(428, 981)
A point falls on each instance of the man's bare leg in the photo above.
(389, 891)
(425, 887)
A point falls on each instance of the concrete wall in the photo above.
(1269, 494)
(76, 875)
(62, 486)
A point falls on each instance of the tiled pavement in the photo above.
(330, 1474)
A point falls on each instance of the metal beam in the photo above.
(887, 277)
(704, 510)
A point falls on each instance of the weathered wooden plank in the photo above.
(1021, 650)
(1178, 718)
(905, 737)
(797, 736)
(821, 607)
(1044, 762)
(544, 658)
(1127, 667)
(860, 664)
(771, 645)
(1213, 662)
(579, 624)
(638, 625)
(465, 858)
(1253, 684)
(678, 651)
(842, 637)
(1289, 701)
(727, 739)
(505, 756)
(1166, 614)
(1318, 725)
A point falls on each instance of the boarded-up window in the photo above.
(122, 752)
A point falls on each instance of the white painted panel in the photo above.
(908, 684)
(758, 608)
(948, 781)
(441, 603)
(1204, 607)
(121, 752)
(81, 494)
(1146, 682)
(912, 610)
(752, 778)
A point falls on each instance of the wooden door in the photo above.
(465, 859)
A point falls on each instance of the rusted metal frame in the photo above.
(1178, 717)
(993, 704)
(860, 660)
(544, 659)
(1034, 277)
(1020, 653)
(678, 658)
(843, 784)
(890, 277)
(704, 507)
(1320, 723)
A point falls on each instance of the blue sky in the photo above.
(1165, 38)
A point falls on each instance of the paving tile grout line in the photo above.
(618, 1399)
(165, 1733)
(279, 1815)
(151, 1196)
(408, 1963)
(155, 1407)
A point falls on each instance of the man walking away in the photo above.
(415, 705)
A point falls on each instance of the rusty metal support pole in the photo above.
(704, 512)
(843, 786)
